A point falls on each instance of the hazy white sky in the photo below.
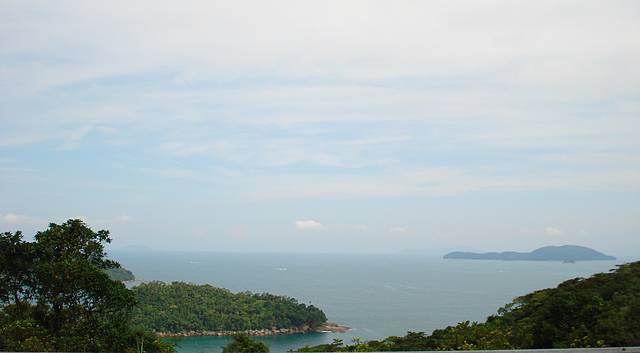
(326, 125)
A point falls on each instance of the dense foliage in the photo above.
(244, 344)
(602, 310)
(56, 296)
(179, 307)
(120, 274)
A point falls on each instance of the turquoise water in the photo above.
(376, 295)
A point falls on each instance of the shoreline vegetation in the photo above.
(598, 311)
(327, 327)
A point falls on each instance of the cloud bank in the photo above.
(218, 113)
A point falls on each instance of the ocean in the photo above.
(376, 295)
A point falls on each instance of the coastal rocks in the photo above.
(327, 327)
(332, 327)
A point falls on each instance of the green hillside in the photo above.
(602, 310)
(180, 307)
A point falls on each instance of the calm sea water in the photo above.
(376, 295)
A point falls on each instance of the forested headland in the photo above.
(182, 307)
(60, 292)
(602, 310)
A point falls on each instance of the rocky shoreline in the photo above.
(327, 327)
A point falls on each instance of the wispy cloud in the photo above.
(412, 100)
(11, 218)
(597, 159)
(73, 139)
(18, 220)
(443, 182)
(8, 141)
(169, 172)
(377, 140)
(553, 231)
(398, 229)
(308, 224)
(123, 219)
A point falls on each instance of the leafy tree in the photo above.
(55, 294)
(244, 344)
(88, 311)
(16, 268)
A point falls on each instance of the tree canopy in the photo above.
(55, 294)
(180, 307)
(244, 344)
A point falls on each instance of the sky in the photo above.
(324, 126)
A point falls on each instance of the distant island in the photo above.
(565, 253)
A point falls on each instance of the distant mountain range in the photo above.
(567, 253)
